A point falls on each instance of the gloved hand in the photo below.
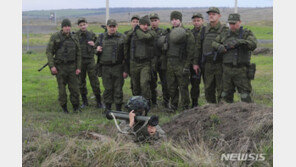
(221, 49)
(137, 27)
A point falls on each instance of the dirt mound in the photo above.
(238, 127)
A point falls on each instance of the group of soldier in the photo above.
(218, 54)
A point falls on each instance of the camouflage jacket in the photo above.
(87, 51)
(57, 43)
(197, 33)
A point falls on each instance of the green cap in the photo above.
(213, 9)
(82, 19)
(176, 15)
(198, 15)
(154, 16)
(66, 22)
(135, 17)
(233, 18)
(111, 22)
(144, 20)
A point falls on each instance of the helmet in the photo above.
(178, 35)
(160, 41)
(137, 103)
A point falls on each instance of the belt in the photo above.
(142, 60)
(234, 66)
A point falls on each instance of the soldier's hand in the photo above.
(124, 75)
(54, 71)
(196, 69)
(99, 48)
(91, 43)
(136, 27)
(131, 118)
(78, 71)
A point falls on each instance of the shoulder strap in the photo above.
(241, 32)
(101, 36)
(202, 33)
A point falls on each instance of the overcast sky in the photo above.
(76, 4)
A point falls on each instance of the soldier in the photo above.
(88, 66)
(179, 56)
(199, 28)
(134, 22)
(138, 105)
(236, 44)
(211, 61)
(64, 60)
(112, 60)
(139, 43)
(157, 66)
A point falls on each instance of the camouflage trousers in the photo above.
(194, 91)
(89, 68)
(213, 81)
(67, 76)
(163, 80)
(141, 78)
(236, 77)
(113, 82)
(177, 80)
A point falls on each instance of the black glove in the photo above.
(137, 27)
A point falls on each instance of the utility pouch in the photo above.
(251, 71)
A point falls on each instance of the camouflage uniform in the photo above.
(112, 61)
(140, 47)
(211, 62)
(63, 52)
(157, 68)
(179, 56)
(88, 66)
(194, 78)
(236, 60)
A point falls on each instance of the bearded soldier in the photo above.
(236, 44)
(86, 40)
(64, 60)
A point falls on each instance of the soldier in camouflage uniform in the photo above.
(179, 48)
(86, 40)
(111, 58)
(211, 61)
(136, 131)
(236, 44)
(195, 75)
(64, 60)
(139, 43)
(157, 66)
(134, 22)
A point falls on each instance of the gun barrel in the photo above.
(125, 116)
(43, 67)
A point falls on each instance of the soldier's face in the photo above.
(151, 130)
(197, 22)
(175, 22)
(144, 27)
(66, 29)
(112, 29)
(134, 22)
(154, 23)
(214, 17)
(234, 26)
(83, 26)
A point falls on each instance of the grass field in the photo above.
(51, 138)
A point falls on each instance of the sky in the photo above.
(78, 4)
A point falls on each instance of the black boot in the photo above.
(76, 109)
(107, 108)
(118, 107)
(165, 104)
(65, 109)
(99, 103)
(194, 104)
(84, 101)
(185, 107)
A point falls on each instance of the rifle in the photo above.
(40, 69)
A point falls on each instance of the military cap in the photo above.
(144, 20)
(199, 15)
(66, 22)
(176, 15)
(135, 17)
(233, 18)
(82, 19)
(154, 16)
(111, 22)
(213, 9)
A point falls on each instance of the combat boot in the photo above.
(99, 103)
(118, 107)
(84, 101)
(194, 104)
(76, 109)
(65, 109)
(107, 108)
